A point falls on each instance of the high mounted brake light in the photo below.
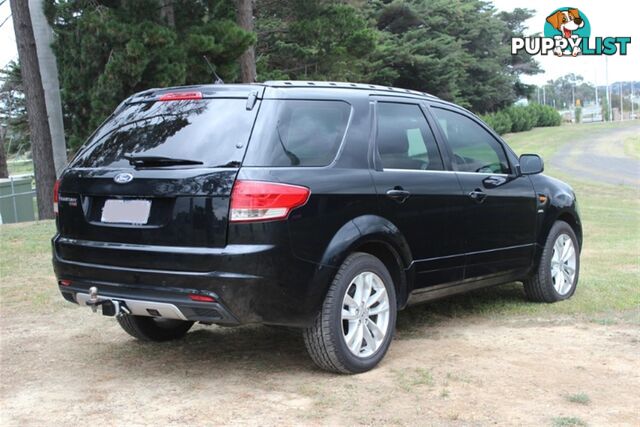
(180, 96)
(265, 201)
(56, 196)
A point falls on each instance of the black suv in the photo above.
(322, 206)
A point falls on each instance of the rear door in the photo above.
(167, 209)
(416, 192)
(500, 206)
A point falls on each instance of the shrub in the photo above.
(499, 121)
(518, 119)
(522, 118)
(550, 117)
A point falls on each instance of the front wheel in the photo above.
(557, 275)
(355, 326)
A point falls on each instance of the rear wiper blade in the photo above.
(158, 161)
(231, 164)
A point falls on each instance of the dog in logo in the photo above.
(566, 21)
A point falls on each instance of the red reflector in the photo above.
(65, 282)
(180, 96)
(201, 298)
(262, 201)
(56, 196)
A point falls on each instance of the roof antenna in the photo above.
(218, 80)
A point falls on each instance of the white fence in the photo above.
(17, 194)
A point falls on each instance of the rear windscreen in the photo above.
(298, 133)
(212, 131)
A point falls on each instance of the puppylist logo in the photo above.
(567, 32)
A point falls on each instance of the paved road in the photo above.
(600, 157)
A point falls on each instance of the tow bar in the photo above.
(109, 307)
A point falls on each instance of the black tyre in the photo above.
(557, 275)
(355, 326)
(153, 329)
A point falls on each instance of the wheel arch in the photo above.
(565, 214)
(379, 237)
(570, 218)
(568, 215)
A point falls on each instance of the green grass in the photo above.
(19, 167)
(632, 147)
(579, 398)
(26, 274)
(568, 422)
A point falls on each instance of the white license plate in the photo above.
(126, 211)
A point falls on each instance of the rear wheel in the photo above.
(152, 328)
(355, 326)
(557, 274)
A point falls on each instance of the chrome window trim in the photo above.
(444, 171)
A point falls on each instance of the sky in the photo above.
(611, 18)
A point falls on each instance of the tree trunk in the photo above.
(49, 72)
(248, 58)
(36, 108)
(167, 12)
(4, 170)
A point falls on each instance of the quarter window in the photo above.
(298, 133)
(474, 149)
(404, 139)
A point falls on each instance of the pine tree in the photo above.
(13, 110)
(457, 50)
(109, 49)
(312, 40)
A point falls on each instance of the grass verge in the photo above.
(632, 147)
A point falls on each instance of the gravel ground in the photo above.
(75, 368)
(600, 157)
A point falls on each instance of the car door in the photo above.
(500, 218)
(416, 192)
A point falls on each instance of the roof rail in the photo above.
(344, 85)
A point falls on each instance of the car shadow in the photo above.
(254, 350)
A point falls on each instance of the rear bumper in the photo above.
(251, 284)
(155, 304)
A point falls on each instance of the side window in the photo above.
(298, 133)
(474, 149)
(404, 139)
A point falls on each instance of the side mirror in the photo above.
(531, 164)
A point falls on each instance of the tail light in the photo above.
(263, 201)
(56, 196)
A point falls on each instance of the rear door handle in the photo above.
(398, 194)
(478, 195)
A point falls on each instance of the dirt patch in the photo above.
(71, 367)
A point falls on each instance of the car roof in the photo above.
(243, 89)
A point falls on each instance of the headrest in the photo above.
(392, 140)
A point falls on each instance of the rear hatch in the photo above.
(151, 188)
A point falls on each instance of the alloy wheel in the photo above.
(563, 264)
(365, 314)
